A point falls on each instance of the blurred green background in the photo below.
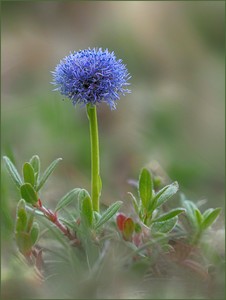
(174, 116)
(174, 51)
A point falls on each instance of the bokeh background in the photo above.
(174, 116)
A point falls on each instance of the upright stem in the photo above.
(95, 160)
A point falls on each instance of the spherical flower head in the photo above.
(91, 76)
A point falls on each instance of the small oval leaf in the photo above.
(23, 242)
(21, 221)
(29, 175)
(120, 219)
(35, 162)
(128, 229)
(145, 187)
(28, 193)
(165, 226)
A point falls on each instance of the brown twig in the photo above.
(50, 215)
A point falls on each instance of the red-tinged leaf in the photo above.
(120, 219)
(128, 229)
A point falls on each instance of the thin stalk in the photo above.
(95, 160)
(196, 238)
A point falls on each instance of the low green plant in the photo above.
(74, 224)
(198, 222)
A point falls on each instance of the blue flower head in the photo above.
(91, 76)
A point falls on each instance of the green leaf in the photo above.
(207, 212)
(190, 213)
(13, 171)
(21, 221)
(68, 198)
(135, 204)
(28, 193)
(211, 218)
(23, 242)
(34, 233)
(163, 195)
(145, 187)
(47, 173)
(110, 212)
(29, 175)
(169, 215)
(87, 210)
(138, 228)
(21, 204)
(30, 222)
(199, 217)
(35, 162)
(97, 216)
(82, 194)
(128, 229)
(165, 226)
(157, 181)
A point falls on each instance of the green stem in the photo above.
(196, 238)
(95, 160)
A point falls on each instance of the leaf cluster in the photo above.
(26, 230)
(198, 222)
(148, 204)
(32, 180)
(80, 217)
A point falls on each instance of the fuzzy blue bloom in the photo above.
(91, 76)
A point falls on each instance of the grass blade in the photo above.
(13, 172)
(47, 173)
(68, 198)
(110, 212)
